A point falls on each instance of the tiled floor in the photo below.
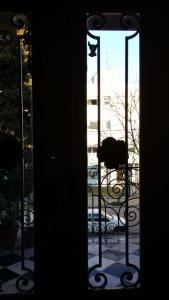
(113, 263)
(114, 260)
(11, 270)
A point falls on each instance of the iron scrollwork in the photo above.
(114, 154)
(24, 284)
(128, 279)
(22, 21)
(99, 277)
(93, 48)
(130, 22)
(96, 21)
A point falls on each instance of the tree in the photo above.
(117, 106)
(10, 120)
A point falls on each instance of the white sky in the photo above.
(112, 49)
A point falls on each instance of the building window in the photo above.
(107, 99)
(92, 125)
(92, 101)
(108, 125)
(92, 149)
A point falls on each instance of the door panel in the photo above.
(60, 132)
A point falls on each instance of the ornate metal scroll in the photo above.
(115, 158)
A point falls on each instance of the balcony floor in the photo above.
(11, 269)
(113, 258)
(113, 261)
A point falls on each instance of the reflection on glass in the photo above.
(16, 157)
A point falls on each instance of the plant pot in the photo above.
(29, 236)
(8, 237)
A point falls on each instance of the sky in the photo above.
(112, 49)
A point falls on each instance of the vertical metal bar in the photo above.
(99, 164)
(22, 145)
(92, 212)
(140, 197)
(126, 140)
(127, 38)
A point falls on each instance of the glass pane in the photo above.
(16, 162)
(113, 79)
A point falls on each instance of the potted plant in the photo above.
(9, 208)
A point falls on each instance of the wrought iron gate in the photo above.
(113, 170)
(16, 180)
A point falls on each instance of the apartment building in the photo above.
(112, 121)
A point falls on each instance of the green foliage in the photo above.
(10, 192)
(9, 93)
(9, 70)
(10, 110)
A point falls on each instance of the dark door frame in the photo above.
(60, 149)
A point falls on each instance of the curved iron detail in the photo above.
(133, 214)
(97, 38)
(24, 284)
(28, 211)
(115, 190)
(98, 278)
(118, 190)
(93, 48)
(116, 194)
(96, 21)
(130, 22)
(20, 20)
(128, 279)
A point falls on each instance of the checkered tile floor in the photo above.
(11, 269)
(113, 259)
(113, 262)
